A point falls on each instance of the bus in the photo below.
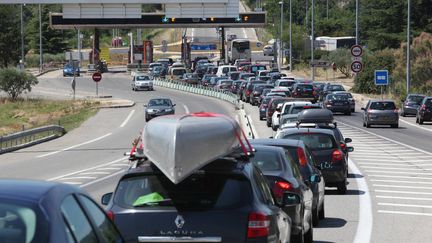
(239, 49)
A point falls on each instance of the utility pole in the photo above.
(79, 47)
(40, 40)
(357, 22)
(290, 37)
(312, 40)
(408, 58)
(281, 36)
(223, 54)
(22, 34)
(327, 9)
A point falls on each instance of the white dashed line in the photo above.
(404, 213)
(186, 109)
(404, 205)
(127, 118)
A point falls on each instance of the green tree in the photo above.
(9, 35)
(342, 58)
(15, 82)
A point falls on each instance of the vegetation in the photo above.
(15, 82)
(14, 116)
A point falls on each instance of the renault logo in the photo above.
(179, 221)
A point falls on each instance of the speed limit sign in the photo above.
(356, 66)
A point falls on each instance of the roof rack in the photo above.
(317, 116)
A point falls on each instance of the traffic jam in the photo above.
(197, 178)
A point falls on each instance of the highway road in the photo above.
(389, 194)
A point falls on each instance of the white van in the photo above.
(225, 69)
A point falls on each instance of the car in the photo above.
(304, 91)
(256, 93)
(234, 75)
(158, 107)
(205, 81)
(243, 65)
(268, 50)
(50, 212)
(254, 68)
(263, 107)
(176, 73)
(190, 78)
(271, 109)
(213, 80)
(330, 88)
(295, 108)
(70, 70)
(380, 112)
(327, 151)
(337, 103)
(158, 72)
(153, 65)
(424, 112)
(236, 86)
(226, 201)
(240, 90)
(285, 83)
(142, 81)
(411, 104)
(350, 99)
(245, 76)
(224, 84)
(247, 92)
(306, 163)
(201, 69)
(199, 60)
(263, 75)
(264, 94)
(223, 70)
(286, 109)
(283, 175)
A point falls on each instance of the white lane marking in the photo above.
(254, 131)
(404, 177)
(91, 168)
(392, 160)
(404, 192)
(72, 147)
(404, 205)
(103, 178)
(404, 213)
(415, 125)
(186, 109)
(406, 198)
(78, 177)
(404, 169)
(109, 168)
(95, 173)
(407, 187)
(397, 172)
(388, 139)
(72, 182)
(389, 164)
(244, 33)
(399, 181)
(127, 118)
(364, 227)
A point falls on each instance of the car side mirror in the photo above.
(174, 104)
(363, 109)
(350, 149)
(348, 140)
(315, 178)
(290, 199)
(145, 105)
(106, 198)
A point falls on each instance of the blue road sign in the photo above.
(381, 77)
(203, 47)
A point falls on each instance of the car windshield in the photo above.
(338, 97)
(21, 223)
(197, 192)
(415, 98)
(142, 78)
(159, 102)
(286, 83)
(234, 76)
(315, 141)
(298, 109)
(382, 106)
(179, 71)
(267, 160)
(336, 88)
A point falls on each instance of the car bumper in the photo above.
(334, 175)
(143, 87)
(407, 110)
(262, 113)
(153, 115)
(294, 212)
(380, 121)
(339, 108)
(427, 116)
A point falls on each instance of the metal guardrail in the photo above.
(201, 90)
(30, 137)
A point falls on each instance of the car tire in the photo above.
(368, 125)
(342, 188)
(268, 123)
(315, 216)
(420, 121)
(395, 125)
(364, 124)
(298, 238)
(348, 113)
(308, 237)
(403, 114)
(417, 119)
(274, 128)
(353, 110)
(321, 213)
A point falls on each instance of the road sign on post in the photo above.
(356, 66)
(97, 77)
(381, 77)
(164, 46)
(356, 51)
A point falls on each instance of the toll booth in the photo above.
(148, 52)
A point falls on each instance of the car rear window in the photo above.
(298, 109)
(267, 160)
(336, 87)
(197, 192)
(315, 141)
(382, 106)
(305, 87)
(415, 98)
(179, 72)
(338, 97)
(142, 78)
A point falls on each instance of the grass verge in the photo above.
(31, 113)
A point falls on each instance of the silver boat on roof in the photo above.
(181, 144)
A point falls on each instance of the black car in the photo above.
(411, 104)
(226, 201)
(283, 175)
(236, 86)
(327, 151)
(247, 92)
(256, 93)
(304, 91)
(245, 76)
(308, 168)
(337, 103)
(40, 211)
(158, 107)
(330, 88)
(234, 75)
(424, 112)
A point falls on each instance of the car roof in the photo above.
(30, 190)
(307, 130)
(277, 142)
(382, 101)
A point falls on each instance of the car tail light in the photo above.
(306, 107)
(247, 92)
(423, 107)
(258, 225)
(337, 156)
(295, 93)
(302, 156)
(343, 146)
(110, 215)
(280, 187)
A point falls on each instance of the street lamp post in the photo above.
(357, 23)
(40, 40)
(131, 47)
(22, 35)
(408, 61)
(290, 37)
(312, 40)
(281, 35)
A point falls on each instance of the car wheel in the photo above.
(268, 123)
(348, 113)
(395, 125)
(274, 128)
(420, 121)
(342, 188)
(368, 125)
(403, 114)
(308, 237)
(321, 213)
(417, 120)
(364, 124)
(315, 216)
(298, 238)
(353, 110)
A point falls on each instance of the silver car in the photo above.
(268, 50)
(142, 82)
(380, 112)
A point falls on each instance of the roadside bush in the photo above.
(33, 59)
(15, 82)
(342, 58)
